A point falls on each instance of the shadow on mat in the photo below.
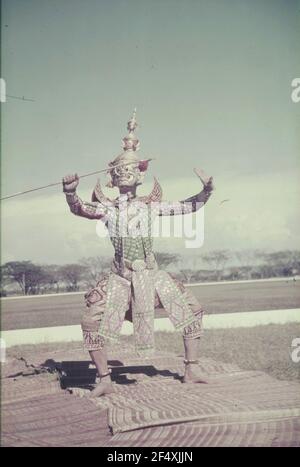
(83, 373)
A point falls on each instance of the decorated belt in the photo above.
(137, 265)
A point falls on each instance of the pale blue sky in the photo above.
(212, 84)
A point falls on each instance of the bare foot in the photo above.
(102, 389)
(191, 377)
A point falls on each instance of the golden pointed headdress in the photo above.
(130, 146)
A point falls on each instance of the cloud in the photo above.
(261, 212)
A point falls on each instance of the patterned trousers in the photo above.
(100, 320)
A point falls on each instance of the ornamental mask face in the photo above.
(129, 174)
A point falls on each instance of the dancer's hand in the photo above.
(205, 179)
(70, 183)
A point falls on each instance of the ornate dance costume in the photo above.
(135, 284)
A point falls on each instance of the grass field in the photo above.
(265, 348)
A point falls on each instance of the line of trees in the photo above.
(246, 264)
(34, 279)
(28, 278)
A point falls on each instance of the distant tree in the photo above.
(217, 259)
(245, 260)
(281, 263)
(72, 275)
(95, 266)
(166, 259)
(26, 274)
(52, 277)
(187, 274)
(5, 280)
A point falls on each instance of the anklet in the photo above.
(187, 362)
(105, 374)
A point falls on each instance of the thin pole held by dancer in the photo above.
(81, 176)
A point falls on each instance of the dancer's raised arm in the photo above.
(88, 209)
(191, 204)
